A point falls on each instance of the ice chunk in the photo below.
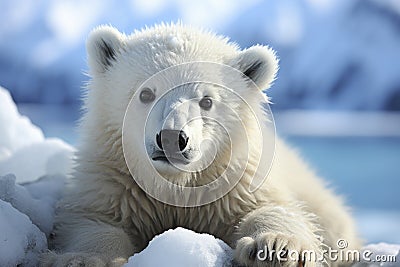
(49, 157)
(182, 247)
(40, 208)
(21, 242)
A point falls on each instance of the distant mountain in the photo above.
(335, 54)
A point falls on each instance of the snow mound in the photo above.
(381, 254)
(23, 149)
(19, 131)
(39, 209)
(26, 217)
(21, 242)
(51, 156)
(182, 247)
(28, 196)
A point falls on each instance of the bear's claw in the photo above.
(263, 250)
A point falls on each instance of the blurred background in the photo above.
(337, 97)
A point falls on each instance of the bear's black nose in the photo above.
(172, 141)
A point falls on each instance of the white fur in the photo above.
(106, 217)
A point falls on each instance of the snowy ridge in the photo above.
(19, 132)
(26, 218)
(21, 242)
(21, 142)
(27, 202)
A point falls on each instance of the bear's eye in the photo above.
(147, 95)
(206, 103)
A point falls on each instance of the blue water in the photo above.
(365, 170)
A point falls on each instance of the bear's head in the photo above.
(184, 103)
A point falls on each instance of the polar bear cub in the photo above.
(175, 133)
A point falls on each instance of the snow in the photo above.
(40, 207)
(183, 247)
(32, 175)
(26, 218)
(19, 131)
(21, 142)
(21, 242)
(55, 158)
(375, 255)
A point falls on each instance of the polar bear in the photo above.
(140, 125)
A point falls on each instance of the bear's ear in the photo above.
(258, 63)
(102, 46)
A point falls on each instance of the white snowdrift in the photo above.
(381, 254)
(183, 247)
(16, 131)
(26, 217)
(38, 204)
(24, 151)
(27, 210)
(21, 242)
(50, 156)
